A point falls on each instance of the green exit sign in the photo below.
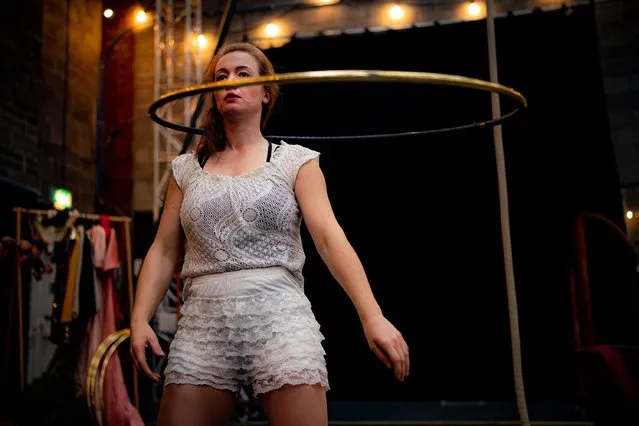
(62, 199)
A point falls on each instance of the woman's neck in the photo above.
(244, 135)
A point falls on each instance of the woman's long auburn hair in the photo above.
(214, 139)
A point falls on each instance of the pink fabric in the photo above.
(111, 256)
(105, 222)
(118, 408)
(94, 340)
(97, 235)
(111, 262)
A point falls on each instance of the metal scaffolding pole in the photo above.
(156, 94)
(199, 30)
(176, 48)
(169, 47)
(189, 40)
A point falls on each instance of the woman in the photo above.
(239, 201)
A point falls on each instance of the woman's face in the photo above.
(242, 101)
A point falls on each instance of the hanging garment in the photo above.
(87, 310)
(105, 222)
(75, 310)
(112, 264)
(118, 408)
(97, 235)
(97, 240)
(61, 332)
(40, 350)
(53, 228)
(67, 314)
(87, 287)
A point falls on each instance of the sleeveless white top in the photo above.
(242, 222)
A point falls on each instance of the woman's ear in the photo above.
(267, 97)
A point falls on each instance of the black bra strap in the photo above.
(203, 159)
(269, 153)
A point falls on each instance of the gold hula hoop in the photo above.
(105, 364)
(94, 365)
(98, 365)
(353, 76)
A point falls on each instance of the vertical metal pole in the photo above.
(156, 95)
(199, 30)
(170, 60)
(20, 306)
(129, 273)
(188, 40)
(505, 223)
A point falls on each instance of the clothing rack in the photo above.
(91, 216)
(127, 236)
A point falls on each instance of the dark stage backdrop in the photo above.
(423, 213)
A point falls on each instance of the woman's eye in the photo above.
(244, 74)
(221, 77)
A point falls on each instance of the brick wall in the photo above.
(50, 52)
(20, 49)
(618, 27)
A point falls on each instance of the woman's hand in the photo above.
(143, 336)
(388, 344)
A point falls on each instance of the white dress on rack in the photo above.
(40, 349)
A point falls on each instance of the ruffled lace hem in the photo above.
(293, 378)
(187, 379)
(268, 384)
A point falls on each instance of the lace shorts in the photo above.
(252, 327)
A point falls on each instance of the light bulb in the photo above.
(140, 17)
(272, 30)
(474, 9)
(201, 41)
(396, 13)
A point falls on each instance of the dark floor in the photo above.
(445, 413)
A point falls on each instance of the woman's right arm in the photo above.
(155, 277)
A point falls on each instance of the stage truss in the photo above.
(178, 64)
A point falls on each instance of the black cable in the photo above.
(223, 30)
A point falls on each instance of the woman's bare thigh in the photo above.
(193, 405)
(302, 405)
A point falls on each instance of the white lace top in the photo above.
(248, 221)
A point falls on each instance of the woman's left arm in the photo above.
(345, 266)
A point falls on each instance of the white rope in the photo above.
(505, 224)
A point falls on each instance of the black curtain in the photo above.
(423, 213)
